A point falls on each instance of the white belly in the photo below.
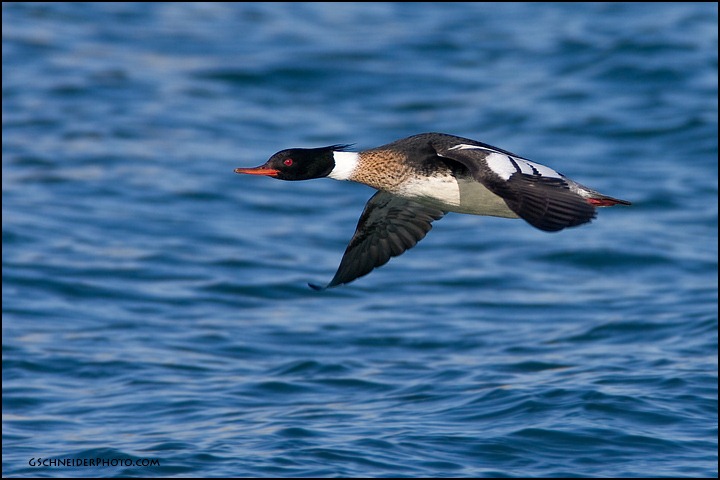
(449, 194)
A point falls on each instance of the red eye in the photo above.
(288, 162)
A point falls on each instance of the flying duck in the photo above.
(421, 178)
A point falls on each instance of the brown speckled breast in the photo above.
(384, 169)
(381, 169)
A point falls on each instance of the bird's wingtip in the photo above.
(317, 288)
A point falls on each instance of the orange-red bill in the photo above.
(270, 172)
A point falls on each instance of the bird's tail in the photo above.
(605, 201)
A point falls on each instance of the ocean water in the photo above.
(156, 314)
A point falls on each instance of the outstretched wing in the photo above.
(536, 193)
(388, 226)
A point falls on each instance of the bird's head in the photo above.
(298, 163)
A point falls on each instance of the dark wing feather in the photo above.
(536, 193)
(545, 203)
(388, 226)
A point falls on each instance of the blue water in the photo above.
(156, 307)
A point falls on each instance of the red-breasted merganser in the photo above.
(421, 178)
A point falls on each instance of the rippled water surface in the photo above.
(155, 304)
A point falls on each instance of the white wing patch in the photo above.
(540, 169)
(501, 164)
(465, 146)
(505, 165)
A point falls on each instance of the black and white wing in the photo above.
(536, 193)
(388, 226)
